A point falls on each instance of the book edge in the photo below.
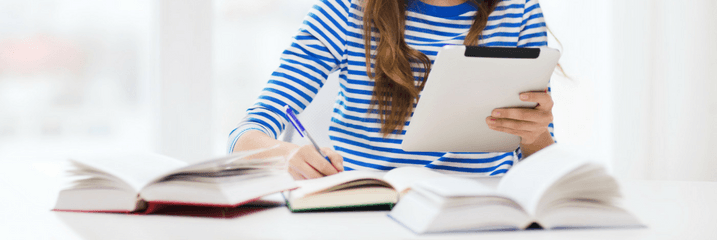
(390, 204)
(153, 205)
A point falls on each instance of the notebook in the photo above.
(355, 189)
(553, 188)
(143, 183)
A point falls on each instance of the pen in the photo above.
(302, 132)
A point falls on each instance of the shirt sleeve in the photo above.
(534, 33)
(316, 51)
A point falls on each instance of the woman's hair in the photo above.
(395, 90)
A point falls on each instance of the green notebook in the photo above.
(355, 190)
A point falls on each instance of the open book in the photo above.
(554, 188)
(145, 182)
(352, 189)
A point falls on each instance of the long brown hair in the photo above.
(395, 90)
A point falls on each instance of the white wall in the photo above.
(249, 37)
(183, 101)
(643, 96)
(582, 110)
(74, 77)
(666, 55)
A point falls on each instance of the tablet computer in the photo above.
(464, 86)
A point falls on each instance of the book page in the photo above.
(316, 185)
(402, 178)
(136, 169)
(527, 181)
(237, 163)
(451, 187)
(236, 160)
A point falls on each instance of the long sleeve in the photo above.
(317, 50)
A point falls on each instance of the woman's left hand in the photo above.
(528, 123)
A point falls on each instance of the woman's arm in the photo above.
(543, 141)
(315, 52)
(534, 126)
(254, 139)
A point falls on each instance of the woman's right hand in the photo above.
(306, 163)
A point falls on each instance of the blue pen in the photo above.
(300, 128)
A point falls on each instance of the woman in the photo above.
(375, 102)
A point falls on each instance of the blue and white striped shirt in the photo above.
(331, 39)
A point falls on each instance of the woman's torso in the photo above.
(355, 133)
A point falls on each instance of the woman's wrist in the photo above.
(254, 139)
(543, 141)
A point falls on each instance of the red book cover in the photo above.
(189, 209)
(205, 210)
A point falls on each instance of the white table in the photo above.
(672, 210)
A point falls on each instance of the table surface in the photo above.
(670, 209)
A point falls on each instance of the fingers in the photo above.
(306, 170)
(307, 163)
(318, 162)
(511, 131)
(527, 123)
(523, 114)
(298, 168)
(296, 175)
(336, 159)
(544, 100)
(526, 137)
(517, 125)
(527, 131)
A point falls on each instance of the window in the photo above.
(74, 72)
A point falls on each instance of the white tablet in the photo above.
(464, 86)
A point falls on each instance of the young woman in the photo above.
(377, 93)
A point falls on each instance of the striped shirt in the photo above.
(331, 39)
